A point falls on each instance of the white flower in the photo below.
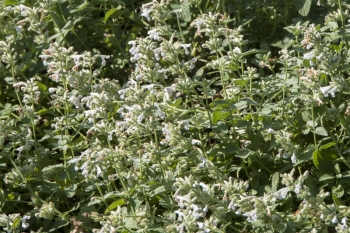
(186, 46)
(186, 124)
(297, 188)
(23, 9)
(24, 221)
(44, 58)
(192, 61)
(236, 50)
(169, 91)
(335, 220)
(309, 55)
(196, 142)
(177, 12)
(140, 118)
(271, 131)
(328, 90)
(18, 29)
(76, 58)
(343, 221)
(282, 193)
(293, 158)
(146, 12)
(164, 71)
(251, 215)
(204, 187)
(153, 34)
(104, 57)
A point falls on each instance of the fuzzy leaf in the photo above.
(275, 180)
(302, 6)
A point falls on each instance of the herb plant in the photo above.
(174, 116)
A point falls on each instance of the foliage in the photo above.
(174, 116)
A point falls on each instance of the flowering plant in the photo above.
(174, 116)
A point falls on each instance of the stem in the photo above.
(343, 24)
(313, 125)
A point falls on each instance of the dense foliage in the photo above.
(174, 116)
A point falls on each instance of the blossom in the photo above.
(271, 131)
(18, 29)
(76, 59)
(177, 12)
(192, 63)
(293, 158)
(44, 58)
(309, 55)
(186, 46)
(251, 215)
(146, 12)
(24, 221)
(328, 90)
(153, 34)
(297, 188)
(282, 193)
(104, 57)
(335, 220)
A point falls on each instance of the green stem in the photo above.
(343, 23)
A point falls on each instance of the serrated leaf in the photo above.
(114, 205)
(130, 223)
(303, 6)
(328, 145)
(275, 180)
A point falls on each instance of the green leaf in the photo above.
(302, 6)
(70, 190)
(166, 202)
(114, 205)
(320, 131)
(10, 2)
(130, 223)
(326, 177)
(220, 115)
(328, 145)
(323, 159)
(338, 191)
(275, 180)
(110, 13)
(178, 101)
(15, 223)
(9, 80)
(337, 201)
(58, 224)
(96, 200)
